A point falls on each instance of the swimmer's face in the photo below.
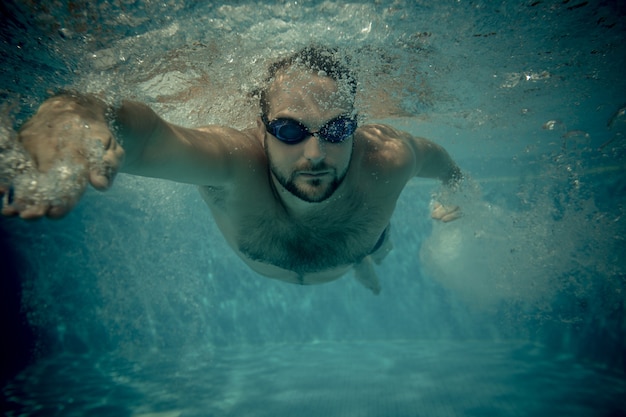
(314, 168)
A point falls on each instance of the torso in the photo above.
(315, 248)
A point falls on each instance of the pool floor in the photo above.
(351, 379)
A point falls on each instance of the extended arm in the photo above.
(393, 148)
(433, 161)
(68, 144)
(155, 148)
(415, 157)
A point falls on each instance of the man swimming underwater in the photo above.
(303, 197)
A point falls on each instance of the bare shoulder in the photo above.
(211, 155)
(391, 152)
(384, 147)
(382, 132)
(229, 143)
(229, 135)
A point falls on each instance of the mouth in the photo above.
(314, 174)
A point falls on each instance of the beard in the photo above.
(313, 190)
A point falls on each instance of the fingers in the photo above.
(7, 203)
(452, 216)
(33, 212)
(438, 211)
(30, 210)
(45, 168)
(445, 213)
(61, 208)
(25, 208)
(102, 172)
(33, 195)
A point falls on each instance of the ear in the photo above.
(261, 131)
(260, 125)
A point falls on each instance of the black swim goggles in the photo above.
(292, 131)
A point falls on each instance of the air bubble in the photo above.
(553, 125)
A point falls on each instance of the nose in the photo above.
(314, 148)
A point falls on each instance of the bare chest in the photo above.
(336, 236)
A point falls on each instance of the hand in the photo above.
(445, 213)
(45, 168)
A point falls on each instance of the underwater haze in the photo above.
(134, 305)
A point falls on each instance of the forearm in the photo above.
(135, 126)
(129, 138)
(76, 139)
(156, 148)
(443, 167)
(83, 128)
(435, 162)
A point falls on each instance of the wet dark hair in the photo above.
(330, 61)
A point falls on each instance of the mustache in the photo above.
(309, 167)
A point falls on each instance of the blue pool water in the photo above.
(133, 305)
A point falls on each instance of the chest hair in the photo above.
(314, 243)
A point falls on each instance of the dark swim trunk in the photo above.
(381, 240)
